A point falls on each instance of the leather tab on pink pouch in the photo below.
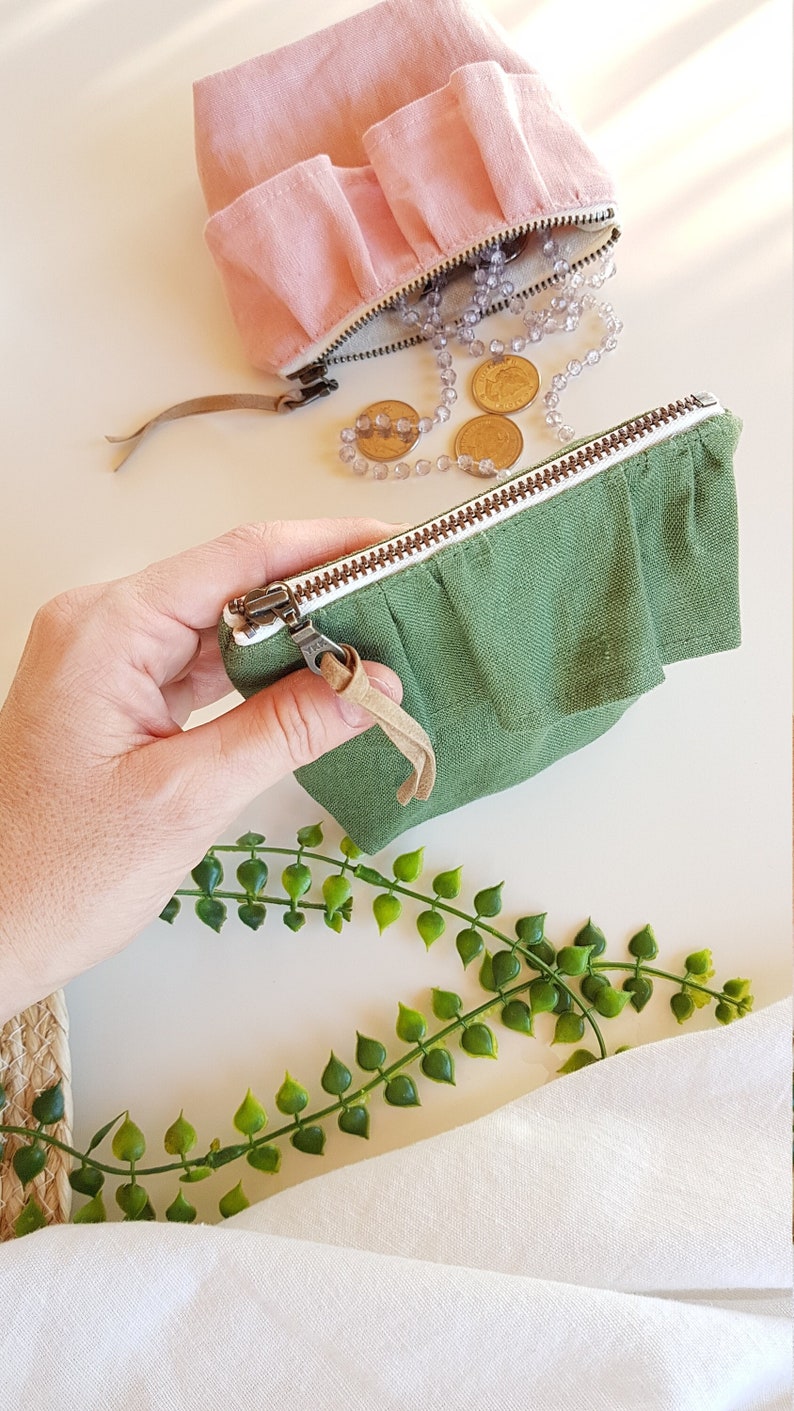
(346, 165)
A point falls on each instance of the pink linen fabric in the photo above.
(345, 165)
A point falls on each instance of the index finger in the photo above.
(192, 587)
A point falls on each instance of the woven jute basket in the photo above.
(34, 1055)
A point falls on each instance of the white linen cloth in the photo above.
(615, 1241)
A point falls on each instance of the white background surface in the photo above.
(112, 310)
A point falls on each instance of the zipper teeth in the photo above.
(478, 511)
(592, 218)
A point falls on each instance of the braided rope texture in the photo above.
(34, 1055)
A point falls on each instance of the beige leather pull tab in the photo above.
(349, 679)
(223, 402)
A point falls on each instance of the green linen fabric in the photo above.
(529, 640)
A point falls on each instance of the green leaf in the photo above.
(310, 1140)
(564, 1002)
(171, 910)
(196, 1173)
(573, 960)
(430, 925)
(640, 988)
(252, 914)
(48, 1107)
(370, 1054)
(568, 1029)
(643, 944)
(354, 1121)
(250, 1116)
(92, 1213)
(102, 1133)
(530, 929)
(211, 911)
(488, 902)
(682, 1006)
(350, 849)
(610, 1002)
(698, 998)
(251, 840)
(737, 989)
(504, 967)
(446, 1004)
(591, 984)
(386, 909)
(485, 975)
(311, 836)
(129, 1143)
(724, 1013)
(369, 874)
(336, 891)
(448, 884)
(218, 1156)
(516, 1015)
(592, 936)
(291, 1097)
(207, 874)
(333, 921)
(411, 1026)
(699, 963)
(252, 875)
(234, 1201)
(336, 1078)
(86, 1180)
(580, 1058)
(408, 866)
(439, 1065)
(479, 1041)
(542, 996)
(296, 880)
(401, 1092)
(469, 945)
(28, 1161)
(180, 1211)
(131, 1200)
(180, 1138)
(31, 1217)
(264, 1158)
(294, 920)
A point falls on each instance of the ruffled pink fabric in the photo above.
(345, 165)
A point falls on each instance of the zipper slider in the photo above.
(301, 398)
(264, 606)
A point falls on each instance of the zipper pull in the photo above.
(277, 602)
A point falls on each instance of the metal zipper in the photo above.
(260, 613)
(313, 379)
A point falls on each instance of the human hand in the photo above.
(105, 803)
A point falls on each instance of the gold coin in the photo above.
(491, 438)
(505, 385)
(389, 444)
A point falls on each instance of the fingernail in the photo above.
(354, 715)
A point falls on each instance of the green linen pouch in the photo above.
(524, 622)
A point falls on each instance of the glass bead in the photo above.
(465, 462)
(411, 316)
(442, 413)
(496, 347)
(449, 377)
(551, 400)
(487, 467)
(592, 356)
(402, 470)
(445, 462)
(379, 471)
(347, 434)
(550, 325)
(574, 367)
(518, 345)
(609, 344)
(423, 467)
(548, 246)
(559, 382)
(565, 433)
(383, 421)
(576, 280)
(596, 280)
(553, 419)
(476, 349)
(611, 325)
(359, 466)
(482, 299)
(508, 288)
(363, 423)
(558, 302)
(425, 424)
(466, 335)
(449, 395)
(470, 317)
(618, 325)
(433, 299)
(440, 341)
(535, 335)
(571, 324)
(403, 426)
(516, 305)
(498, 256)
(444, 359)
(492, 281)
(480, 275)
(347, 454)
(588, 301)
(428, 331)
(561, 267)
(606, 307)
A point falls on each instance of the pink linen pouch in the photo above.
(354, 164)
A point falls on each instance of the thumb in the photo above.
(291, 723)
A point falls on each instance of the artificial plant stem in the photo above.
(663, 975)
